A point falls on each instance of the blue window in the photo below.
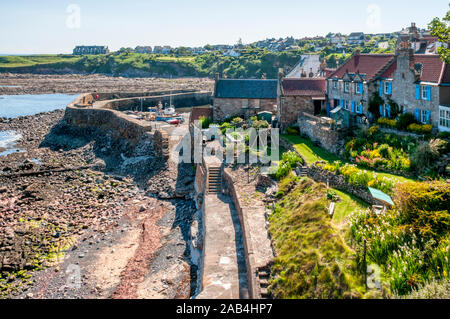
(417, 115)
(381, 88)
(417, 92)
(428, 93)
(353, 106)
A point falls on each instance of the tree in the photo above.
(441, 30)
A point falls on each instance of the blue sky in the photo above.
(55, 26)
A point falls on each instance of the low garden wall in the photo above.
(340, 182)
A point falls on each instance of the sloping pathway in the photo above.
(224, 269)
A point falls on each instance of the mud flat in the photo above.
(11, 83)
(75, 224)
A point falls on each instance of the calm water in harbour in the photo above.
(20, 105)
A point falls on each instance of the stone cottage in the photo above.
(243, 97)
(300, 95)
(353, 84)
(420, 85)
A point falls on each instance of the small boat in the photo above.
(173, 121)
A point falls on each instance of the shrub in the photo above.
(420, 128)
(204, 122)
(260, 124)
(237, 120)
(383, 121)
(404, 120)
(444, 135)
(292, 158)
(424, 157)
(294, 130)
(384, 150)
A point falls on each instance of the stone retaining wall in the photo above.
(322, 132)
(340, 182)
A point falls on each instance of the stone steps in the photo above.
(214, 180)
(264, 276)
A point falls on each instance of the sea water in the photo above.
(12, 106)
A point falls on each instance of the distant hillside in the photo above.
(253, 63)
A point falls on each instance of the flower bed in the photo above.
(411, 243)
(381, 151)
(358, 177)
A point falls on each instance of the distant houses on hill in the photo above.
(94, 49)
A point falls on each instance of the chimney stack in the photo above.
(217, 77)
(280, 73)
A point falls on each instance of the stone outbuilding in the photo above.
(243, 97)
(300, 95)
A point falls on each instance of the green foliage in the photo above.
(204, 122)
(374, 104)
(441, 30)
(412, 242)
(294, 130)
(385, 122)
(260, 124)
(358, 177)
(312, 260)
(404, 120)
(425, 155)
(420, 128)
(376, 150)
(289, 160)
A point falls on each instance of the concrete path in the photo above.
(224, 269)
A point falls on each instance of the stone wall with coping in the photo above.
(252, 271)
(340, 182)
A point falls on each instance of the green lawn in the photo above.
(348, 204)
(312, 153)
(31, 60)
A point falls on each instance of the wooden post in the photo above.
(365, 263)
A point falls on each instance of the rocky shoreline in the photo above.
(76, 223)
(13, 83)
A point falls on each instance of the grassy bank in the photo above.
(312, 259)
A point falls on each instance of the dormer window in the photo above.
(358, 88)
(346, 87)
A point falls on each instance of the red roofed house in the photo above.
(421, 86)
(418, 83)
(352, 85)
(300, 95)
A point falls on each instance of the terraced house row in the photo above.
(417, 83)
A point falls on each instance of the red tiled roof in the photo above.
(389, 73)
(368, 64)
(446, 74)
(315, 87)
(431, 67)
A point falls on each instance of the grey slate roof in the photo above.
(246, 89)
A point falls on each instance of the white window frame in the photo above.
(423, 92)
(358, 108)
(346, 86)
(245, 103)
(346, 105)
(335, 83)
(357, 86)
(444, 118)
(423, 116)
(386, 87)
